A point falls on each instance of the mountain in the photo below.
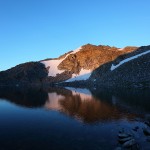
(79, 64)
(90, 64)
(130, 70)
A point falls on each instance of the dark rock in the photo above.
(127, 140)
(135, 129)
(146, 131)
(135, 147)
(132, 74)
(129, 143)
(148, 139)
(27, 73)
(123, 135)
(147, 123)
(123, 140)
(118, 148)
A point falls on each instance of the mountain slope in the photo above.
(130, 70)
(27, 73)
(79, 64)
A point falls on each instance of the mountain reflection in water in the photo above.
(70, 118)
(80, 104)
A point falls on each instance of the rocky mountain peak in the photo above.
(91, 57)
(82, 61)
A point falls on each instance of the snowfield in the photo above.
(53, 64)
(113, 67)
(83, 75)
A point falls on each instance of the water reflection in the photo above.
(133, 99)
(69, 118)
(26, 97)
(80, 104)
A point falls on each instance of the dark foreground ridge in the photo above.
(27, 74)
(134, 73)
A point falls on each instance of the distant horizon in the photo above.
(33, 30)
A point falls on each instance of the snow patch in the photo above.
(94, 80)
(120, 49)
(83, 75)
(113, 67)
(52, 65)
(76, 50)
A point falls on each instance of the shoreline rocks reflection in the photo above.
(25, 97)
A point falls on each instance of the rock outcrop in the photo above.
(27, 73)
(91, 57)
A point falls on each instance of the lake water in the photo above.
(70, 119)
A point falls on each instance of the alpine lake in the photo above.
(74, 119)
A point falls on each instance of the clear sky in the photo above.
(32, 30)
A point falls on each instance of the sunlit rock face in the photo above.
(78, 64)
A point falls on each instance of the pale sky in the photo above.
(32, 30)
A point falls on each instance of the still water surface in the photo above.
(70, 118)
